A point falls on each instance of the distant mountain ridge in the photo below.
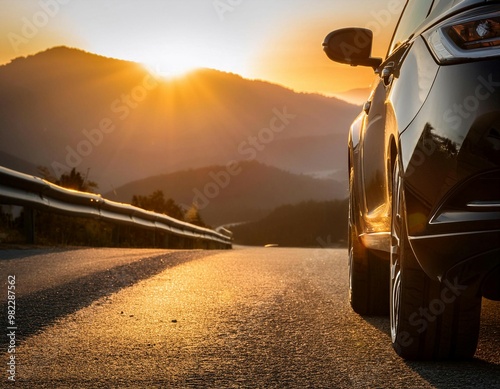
(239, 192)
(65, 108)
(357, 96)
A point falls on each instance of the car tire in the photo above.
(429, 320)
(368, 274)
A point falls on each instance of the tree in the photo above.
(156, 202)
(193, 216)
(72, 180)
(44, 172)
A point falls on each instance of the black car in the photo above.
(424, 174)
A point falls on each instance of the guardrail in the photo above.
(35, 193)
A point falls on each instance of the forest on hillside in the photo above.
(308, 224)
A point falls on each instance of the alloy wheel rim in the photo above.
(396, 251)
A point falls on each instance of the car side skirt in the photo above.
(378, 241)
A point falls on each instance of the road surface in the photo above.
(242, 318)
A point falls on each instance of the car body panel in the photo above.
(443, 122)
(463, 140)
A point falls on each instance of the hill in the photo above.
(308, 224)
(66, 108)
(233, 193)
(357, 96)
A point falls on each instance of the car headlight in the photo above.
(469, 37)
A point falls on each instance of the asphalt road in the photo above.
(243, 318)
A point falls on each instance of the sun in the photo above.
(169, 62)
(176, 60)
(169, 69)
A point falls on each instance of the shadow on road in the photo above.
(40, 309)
(11, 252)
(452, 374)
(478, 373)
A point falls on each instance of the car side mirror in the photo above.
(352, 46)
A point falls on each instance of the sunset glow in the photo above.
(277, 41)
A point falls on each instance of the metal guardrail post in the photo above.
(116, 235)
(29, 224)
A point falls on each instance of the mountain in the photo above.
(66, 108)
(307, 224)
(355, 96)
(233, 193)
(18, 164)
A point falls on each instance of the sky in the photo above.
(273, 40)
